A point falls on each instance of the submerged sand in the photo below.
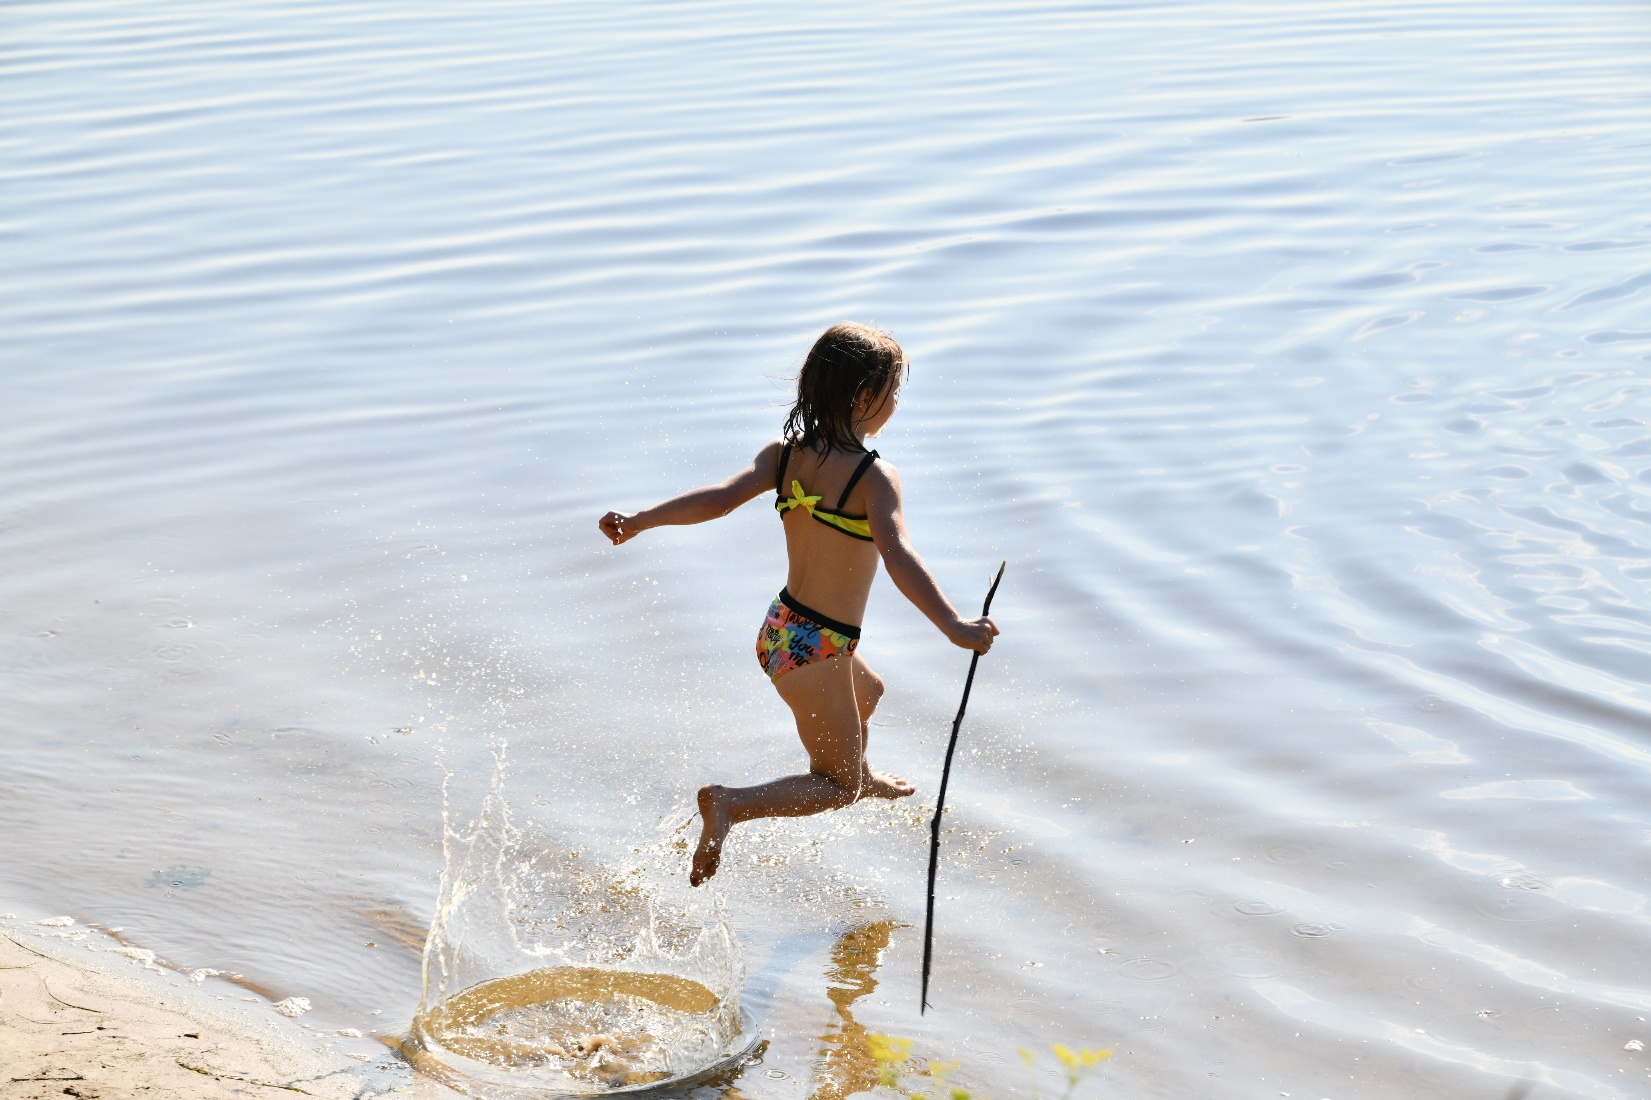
(73, 1027)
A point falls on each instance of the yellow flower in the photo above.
(1081, 1059)
(939, 1071)
(888, 1053)
(886, 1048)
(891, 1057)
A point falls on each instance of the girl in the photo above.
(848, 389)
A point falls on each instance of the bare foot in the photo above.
(713, 811)
(884, 785)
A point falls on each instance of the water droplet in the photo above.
(1517, 905)
(1560, 1021)
(1148, 970)
(1257, 908)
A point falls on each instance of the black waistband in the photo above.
(814, 616)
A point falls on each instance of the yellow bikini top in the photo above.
(858, 527)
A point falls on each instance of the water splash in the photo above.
(543, 975)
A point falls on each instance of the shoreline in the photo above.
(82, 1021)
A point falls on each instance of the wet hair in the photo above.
(846, 361)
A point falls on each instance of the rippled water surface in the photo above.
(1295, 356)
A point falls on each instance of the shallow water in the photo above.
(1293, 355)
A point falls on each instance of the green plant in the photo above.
(892, 1058)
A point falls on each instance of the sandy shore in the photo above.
(98, 1026)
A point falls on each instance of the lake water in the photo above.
(1295, 356)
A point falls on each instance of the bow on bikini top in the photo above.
(858, 527)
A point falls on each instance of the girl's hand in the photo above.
(975, 634)
(619, 526)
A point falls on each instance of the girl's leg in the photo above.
(831, 721)
(868, 690)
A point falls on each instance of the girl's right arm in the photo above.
(698, 505)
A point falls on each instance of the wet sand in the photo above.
(78, 1028)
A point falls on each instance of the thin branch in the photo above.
(940, 803)
(27, 948)
(61, 1001)
(246, 1080)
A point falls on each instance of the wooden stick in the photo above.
(940, 802)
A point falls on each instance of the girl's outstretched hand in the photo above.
(975, 634)
(617, 526)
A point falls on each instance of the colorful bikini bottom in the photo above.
(793, 636)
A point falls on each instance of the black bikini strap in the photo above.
(859, 471)
(779, 475)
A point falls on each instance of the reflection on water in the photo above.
(845, 1065)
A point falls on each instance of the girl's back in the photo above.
(831, 566)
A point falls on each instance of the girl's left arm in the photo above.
(908, 571)
(698, 505)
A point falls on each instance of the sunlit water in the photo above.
(1294, 356)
